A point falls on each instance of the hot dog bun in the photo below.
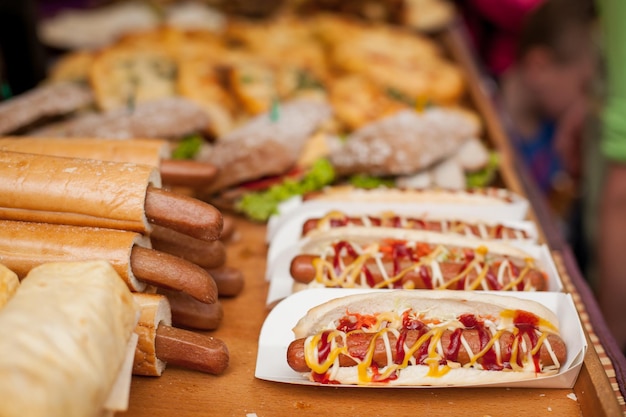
(75, 191)
(155, 310)
(138, 151)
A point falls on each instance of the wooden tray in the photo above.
(238, 393)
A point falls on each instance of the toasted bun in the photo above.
(317, 240)
(434, 304)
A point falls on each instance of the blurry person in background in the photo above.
(611, 240)
(542, 56)
(545, 94)
(494, 27)
(545, 100)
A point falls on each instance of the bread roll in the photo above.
(155, 310)
(65, 337)
(76, 191)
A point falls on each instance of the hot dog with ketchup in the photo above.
(397, 258)
(479, 229)
(426, 338)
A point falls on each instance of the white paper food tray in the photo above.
(281, 282)
(276, 335)
(287, 231)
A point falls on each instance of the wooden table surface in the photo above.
(237, 392)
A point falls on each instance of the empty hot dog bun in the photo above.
(71, 327)
(447, 339)
(386, 257)
(76, 191)
(8, 284)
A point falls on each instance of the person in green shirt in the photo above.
(611, 243)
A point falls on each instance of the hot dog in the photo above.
(86, 192)
(25, 245)
(152, 152)
(426, 338)
(397, 258)
(477, 229)
(207, 254)
(229, 280)
(189, 313)
(160, 344)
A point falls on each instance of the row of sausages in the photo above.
(83, 199)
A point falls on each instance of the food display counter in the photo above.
(599, 386)
(597, 391)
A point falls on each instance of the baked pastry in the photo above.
(403, 143)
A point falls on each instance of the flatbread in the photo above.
(65, 335)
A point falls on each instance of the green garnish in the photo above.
(369, 182)
(259, 206)
(188, 147)
(485, 176)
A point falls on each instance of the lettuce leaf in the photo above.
(188, 147)
(485, 176)
(259, 206)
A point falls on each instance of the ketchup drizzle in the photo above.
(492, 280)
(426, 278)
(489, 360)
(451, 352)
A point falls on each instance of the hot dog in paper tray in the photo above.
(486, 204)
(392, 258)
(426, 338)
(308, 221)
